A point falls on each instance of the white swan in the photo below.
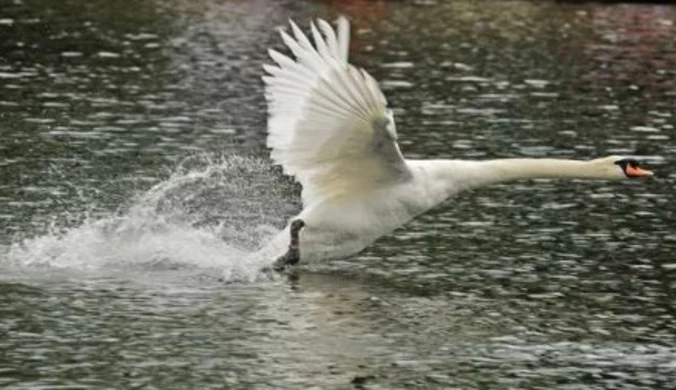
(330, 128)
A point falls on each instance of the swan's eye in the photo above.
(627, 162)
(631, 168)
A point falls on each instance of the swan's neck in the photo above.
(497, 171)
(459, 175)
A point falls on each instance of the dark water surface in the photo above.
(133, 174)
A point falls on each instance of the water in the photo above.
(135, 180)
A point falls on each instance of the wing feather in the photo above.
(343, 38)
(330, 38)
(322, 49)
(328, 122)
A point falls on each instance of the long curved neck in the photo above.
(482, 173)
(458, 175)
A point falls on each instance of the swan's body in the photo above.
(329, 126)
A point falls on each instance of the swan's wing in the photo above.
(328, 123)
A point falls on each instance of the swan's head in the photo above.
(620, 167)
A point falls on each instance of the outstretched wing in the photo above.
(328, 122)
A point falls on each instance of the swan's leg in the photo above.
(292, 256)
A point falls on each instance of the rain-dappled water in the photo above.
(134, 180)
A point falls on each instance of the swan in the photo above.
(330, 128)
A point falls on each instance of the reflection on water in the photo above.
(121, 199)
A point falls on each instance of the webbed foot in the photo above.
(292, 256)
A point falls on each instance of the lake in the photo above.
(134, 179)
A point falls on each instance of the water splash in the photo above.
(212, 212)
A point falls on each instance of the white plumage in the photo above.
(327, 117)
(330, 128)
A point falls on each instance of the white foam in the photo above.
(200, 217)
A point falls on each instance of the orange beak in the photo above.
(637, 172)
